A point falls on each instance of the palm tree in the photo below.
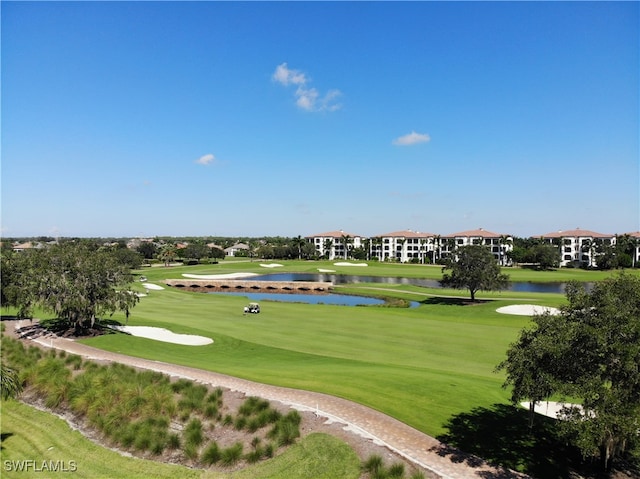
(367, 248)
(503, 242)
(588, 246)
(423, 242)
(377, 247)
(327, 247)
(299, 242)
(346, 241)
(168, 253)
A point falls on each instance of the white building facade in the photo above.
(499, 244)
(579, 247)
(335, 244)
(403, 246)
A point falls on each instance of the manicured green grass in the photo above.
(29, 434)
(421, 365)
(374, 268)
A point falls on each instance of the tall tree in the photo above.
(298, 243)
(74, 281)
(475, 269)
(327, 246)
(168, 252)
(591, 354)
(346, 242)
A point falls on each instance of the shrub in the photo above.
(268, 450)
(255, 455)
(211, 454)
(373, 464)
(210, 411)
(287, 429)
(193, 433)
(191, 451)
(240, 423)
(173, 441)
(232, 454)
(396, 471)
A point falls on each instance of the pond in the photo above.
(330, 298)
(528, 287)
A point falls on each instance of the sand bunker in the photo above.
(550, 408)
(271, 265)
(350, 264)
(162, 334)
(527, 309)
(326, 270)
(218, 276)
(152, 286)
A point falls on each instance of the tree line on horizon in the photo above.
(530, 252)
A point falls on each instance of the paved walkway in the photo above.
(413, 445)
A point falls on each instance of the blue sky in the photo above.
(295, 118)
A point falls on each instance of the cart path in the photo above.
(413, 445)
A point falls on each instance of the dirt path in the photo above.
(414, 446)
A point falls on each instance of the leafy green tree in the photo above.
(74, 281)
(590, 352)
(128, 257)
(147, 249)
(196, 250)
(475, 269)
(546, 256)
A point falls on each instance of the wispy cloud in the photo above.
(307, 98)
(412, 139)
(206, 159)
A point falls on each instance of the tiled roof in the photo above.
(334, 234)
(406, 234)
(635, 234)
(575, 233)
(475, 233)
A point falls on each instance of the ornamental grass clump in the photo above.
(286, 430)
(231, 455)
(211, 454)
(193, 434)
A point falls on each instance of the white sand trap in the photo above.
(550, 408)
(271, 265)
(218, 276)
(162, 334)
(152, 286)
(326, 270)
(350, 264)
(527, 310)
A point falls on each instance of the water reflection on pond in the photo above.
(528, 287)
(330, 298)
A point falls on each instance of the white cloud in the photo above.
(307, 98)
(206, 159)
(286, 76)
(411, 139)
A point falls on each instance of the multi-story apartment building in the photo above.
(500, 244)
(403, 246)
(636, 249)
(335, 244)
(578, 246)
